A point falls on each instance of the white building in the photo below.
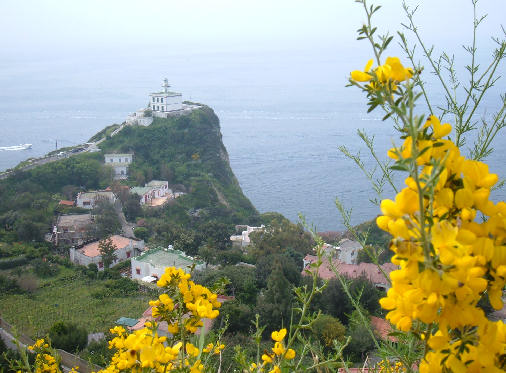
(152, 263)
(87, 200)
(120, 163)
(125, 248)
(243, 240)
(140, 117)
(346, 252)
(164, 102)
(153, 190)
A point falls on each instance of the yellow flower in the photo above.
(192, 350)
(275, 369)
(278, 336)
(362, 76)
(278, 348)
(290, 354)
(267, 358)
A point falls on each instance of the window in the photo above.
(138, 271)
(163, 108)
(128, 254)
(153, 99)
(126, 160)
(86, 203)
(119, 159)
(100, 265)
(157, 99)
(161, 99)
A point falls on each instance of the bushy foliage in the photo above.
(239, 317)
(44, 268)
(327, 329)
(9, 285)
(13, 262)
(68, 336)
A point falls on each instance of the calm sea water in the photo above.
(283, 115)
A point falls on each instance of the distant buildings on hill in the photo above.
(367, 270)
(155, 193)
(71, 229)
(119, 163)
(161, 104)
(88, 200)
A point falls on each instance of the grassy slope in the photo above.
(190, 148)
(67, 296)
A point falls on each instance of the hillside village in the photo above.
(147, 196)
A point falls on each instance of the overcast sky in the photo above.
(38, 24)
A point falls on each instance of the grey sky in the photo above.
(39, 24)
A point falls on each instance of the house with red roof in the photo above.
(90, 253)
(368, 270)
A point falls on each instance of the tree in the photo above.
(132, 207)
(265, 265)
(239, 317)
(207, 254)
(280, 235)
(68, 336)
(107, 250)
(141, 233)
(275, 305)
(217, 234)
(327, 329)
(106, 219)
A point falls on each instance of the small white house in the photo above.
(87, 200)
(120, 163)
(125, 248)
(145, 194)
(347, 251)
(164, 102)
(152, 263)
(153, 190)
(140, 118)
(243, 240)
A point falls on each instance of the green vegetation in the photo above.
(104, 133)
(186, 151)
(68, 296)
(68, 336)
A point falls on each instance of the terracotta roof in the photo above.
(66, 203)
(383, 328)
(92, 250)
(370, 270)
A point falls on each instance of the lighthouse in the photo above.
(164, 102)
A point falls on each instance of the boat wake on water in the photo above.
(17, 147)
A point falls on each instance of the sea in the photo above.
(284, 113)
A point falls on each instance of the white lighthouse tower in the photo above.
(164, 102)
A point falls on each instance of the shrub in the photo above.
(68, 336)
(239, 317)
(141, 233)
(43, 268)
(327, 329)
(8, 285)
(13, 262)
(28, 283)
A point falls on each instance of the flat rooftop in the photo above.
(79, 219)
(161, 257)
